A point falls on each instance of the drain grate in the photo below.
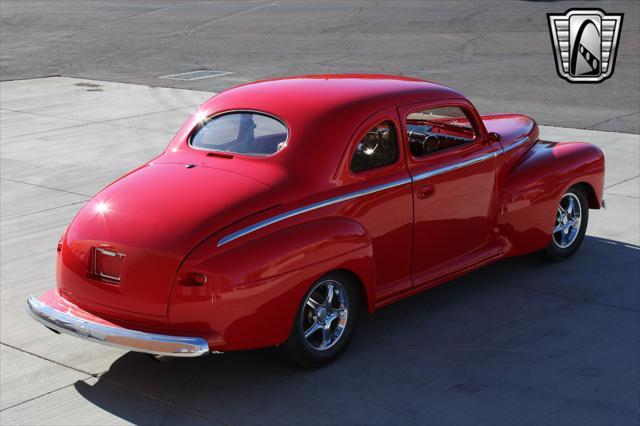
(195, 75)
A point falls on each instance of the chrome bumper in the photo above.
(156, 344)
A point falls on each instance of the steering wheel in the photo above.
(430, 144)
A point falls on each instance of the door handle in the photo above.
(425, 191)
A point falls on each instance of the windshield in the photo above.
(451, 117)
(248, 133)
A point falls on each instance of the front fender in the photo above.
(531, 190)
(254, 289)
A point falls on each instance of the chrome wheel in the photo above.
(568, 218)
(325, 314)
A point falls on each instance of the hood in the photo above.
(124, 247)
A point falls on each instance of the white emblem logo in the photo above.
(585, 42)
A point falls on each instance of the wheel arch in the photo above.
(367, 295)
(592, 196)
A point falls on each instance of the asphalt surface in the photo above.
(521, 342)
(498, 53)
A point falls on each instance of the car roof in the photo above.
(299, 99)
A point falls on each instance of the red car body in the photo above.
(225, 249)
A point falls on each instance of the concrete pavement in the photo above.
(520, 342)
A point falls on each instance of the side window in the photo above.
(436, 129)
(379, 147)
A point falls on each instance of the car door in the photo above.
(452, 165)
(375, 158)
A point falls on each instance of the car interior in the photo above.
(438, 129)
(377, 148)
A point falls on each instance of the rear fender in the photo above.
(531, 190)
(254, 289)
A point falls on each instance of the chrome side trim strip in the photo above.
(515, 144)
(241, 233)
(156, 344)
(456, 166)
(309, 208)
(471, 161)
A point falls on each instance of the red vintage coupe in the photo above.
(283, 207)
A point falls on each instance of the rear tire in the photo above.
(325, 321)
(572, 216)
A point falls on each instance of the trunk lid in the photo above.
(124, 247)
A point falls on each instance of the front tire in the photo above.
(324, 322)
(572, 216)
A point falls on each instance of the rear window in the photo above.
(248, 133)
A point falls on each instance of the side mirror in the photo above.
(494, 137)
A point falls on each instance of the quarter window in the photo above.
(248, 133)
(436, 129)
(379, 147)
